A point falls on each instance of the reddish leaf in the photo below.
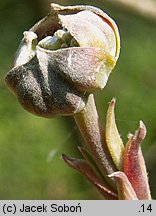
(83, 167)
(134, 164)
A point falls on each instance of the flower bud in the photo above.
(62, 58)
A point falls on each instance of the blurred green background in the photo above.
(30, 147)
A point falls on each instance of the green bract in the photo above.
(64, 57)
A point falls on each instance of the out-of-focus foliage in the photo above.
(30, 147)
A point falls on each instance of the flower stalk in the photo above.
(89, 125)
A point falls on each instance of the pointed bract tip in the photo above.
(142, 125)
(113, 102)
(66, 159)
(142, 130)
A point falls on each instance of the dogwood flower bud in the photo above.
(64, 57)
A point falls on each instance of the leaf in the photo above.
(134, 164)
(83, 167)
(88, 157)
(113, 140)
(125, 189)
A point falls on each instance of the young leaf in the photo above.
(113, 140)
(134, 164)
(83, 167)
(125, 189)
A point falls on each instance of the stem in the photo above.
(88, 123)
